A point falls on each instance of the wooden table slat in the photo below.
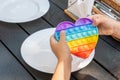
(56, 15)
(62, 4)
(13, 36)
(107, 50)
(111, 41)
(10, 68)
(93, 72)
(35, 25)
(109, 57)
(48, 19)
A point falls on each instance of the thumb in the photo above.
(52, 40)
(93, 19)
(62, 36)
(90, 17)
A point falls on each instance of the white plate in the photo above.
(37, 53)
(17, 11)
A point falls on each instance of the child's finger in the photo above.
(96, 19)
(62, 36)
(52, 40)
(90, 17)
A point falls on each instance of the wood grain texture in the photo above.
(61, 3)
(56, 15)
(109, 57)
(13, 36)
(72, 16)
(113, 3)
(108, 41)
(93, 76)
(35, 25)
(96, 11)
(10, 68)
(111, 41)
(67, 12)
(93, 72)
(15, 32)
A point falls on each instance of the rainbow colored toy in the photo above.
(81, 37)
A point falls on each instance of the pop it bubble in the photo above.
(81, 37)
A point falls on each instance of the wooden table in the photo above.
(105, 66)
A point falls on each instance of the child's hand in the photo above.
(60, 49)
(104, 24)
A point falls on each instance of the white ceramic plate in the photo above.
(17, 11)
(37, 53)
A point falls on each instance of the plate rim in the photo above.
(72, 70)
(30, 19)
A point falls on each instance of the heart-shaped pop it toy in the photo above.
(81, 37)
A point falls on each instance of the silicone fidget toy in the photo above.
(81, 37)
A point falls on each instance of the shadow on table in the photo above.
(80, 76)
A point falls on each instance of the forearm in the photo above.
(116, 32)
(67, 70)
(63, 70)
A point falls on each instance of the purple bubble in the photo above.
(64, 25)
(83, 21)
